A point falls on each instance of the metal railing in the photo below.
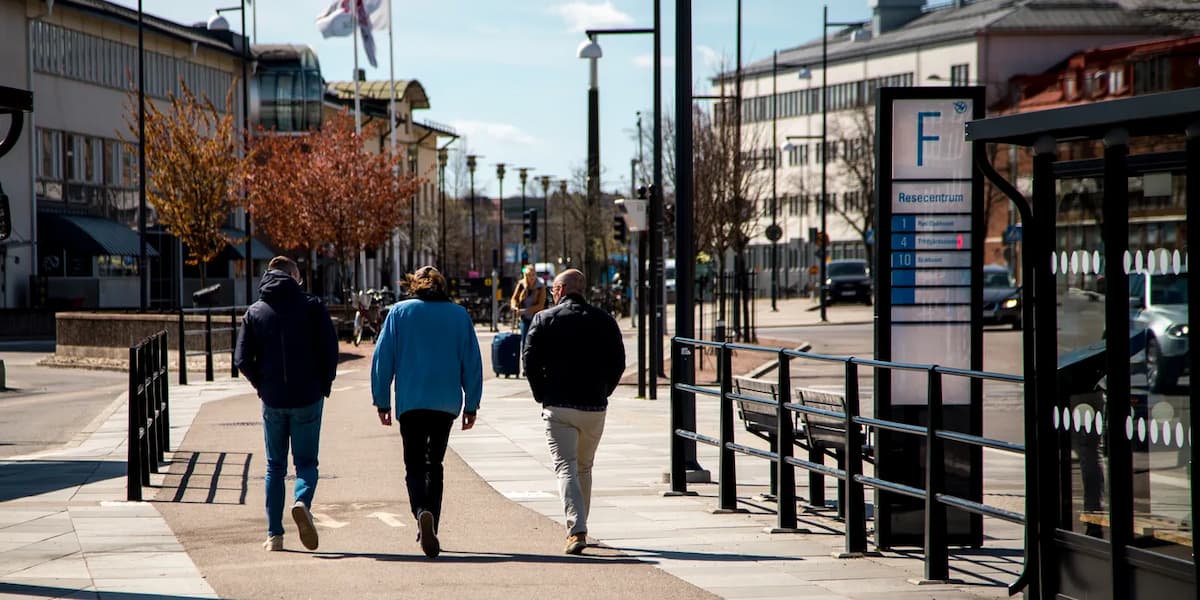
(149, 412)
(851, 473)
(207, 331)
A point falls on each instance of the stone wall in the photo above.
(107, 336)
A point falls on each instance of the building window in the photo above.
(1152, 75)
(960, 74)
(1070, 86)
(1116, 81)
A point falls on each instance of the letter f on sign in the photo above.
(921, 137)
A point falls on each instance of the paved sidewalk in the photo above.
(66, 530)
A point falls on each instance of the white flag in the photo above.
(379, 12)
(365, 17)
(336, 21)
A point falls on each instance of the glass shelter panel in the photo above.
(1078, 417)
(1157, 264)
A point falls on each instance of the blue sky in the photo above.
(505, 74)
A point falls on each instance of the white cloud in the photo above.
(581, 16)
(646, 61)
(708, 57)
(499, 132)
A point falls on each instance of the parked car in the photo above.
(848, 279)
(669, 279)
(1001, 297)
(1158, 307)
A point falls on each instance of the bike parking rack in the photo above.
(936, 561)
(149, 433)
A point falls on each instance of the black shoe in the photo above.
(427, 535)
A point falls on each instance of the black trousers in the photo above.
(425, 434)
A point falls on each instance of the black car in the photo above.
(848, 280)
(1001, 298)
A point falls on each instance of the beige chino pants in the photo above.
(573, 436)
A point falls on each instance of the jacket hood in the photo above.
(278, 286)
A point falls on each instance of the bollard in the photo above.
(233, 324)
(182, 349)
(855, 498)
(937, 558)
(208, 357)
(143, 428)
(150, 395)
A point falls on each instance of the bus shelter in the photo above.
(1109, 429)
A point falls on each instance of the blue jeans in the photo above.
(302, 427)
(524, 329)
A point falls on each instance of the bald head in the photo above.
(570, 281)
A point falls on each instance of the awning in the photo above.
(92, 236)
(259, 250)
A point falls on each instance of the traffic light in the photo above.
(531, 225)
(619, 229)
(645, 192)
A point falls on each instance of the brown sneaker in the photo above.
(305, 525)
(427, 536)
(576, 542)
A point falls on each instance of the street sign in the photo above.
(774, 232)
(929, 297)
(1012, 234)
(633, 211)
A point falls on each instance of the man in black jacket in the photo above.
(574, 358)
(288, 350)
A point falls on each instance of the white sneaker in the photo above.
(304, 523)
(273, 543)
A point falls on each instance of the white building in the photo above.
(905, 43)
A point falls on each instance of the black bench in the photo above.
(826, 435)
(760, 419)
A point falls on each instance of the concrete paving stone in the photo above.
(746, 579)
(168, 588)
(129, 543)
(14, 516)
(67, 567)
(20, 559)
(148, 565)
(768, 592)
(124, 526)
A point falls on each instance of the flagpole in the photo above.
(361, 259)
(392, 137)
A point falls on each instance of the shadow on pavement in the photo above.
(24, 478)
(209, 478)
(646, 555)
(469, 557)
(44, 591)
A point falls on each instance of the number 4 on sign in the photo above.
(389, 519)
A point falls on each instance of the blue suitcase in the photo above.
(506, 354)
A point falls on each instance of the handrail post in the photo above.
(678, 468)
(855, 500)
(164, 398)
(233, 332)
(785, 472)
(208, 357)
(182, 347)
(133, 469)
(727, 484)
(937, 559)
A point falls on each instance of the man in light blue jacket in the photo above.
(429, 350)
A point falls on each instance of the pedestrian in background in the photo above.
(574, 358)
(528, 299)
(288, 350)
(428, 348)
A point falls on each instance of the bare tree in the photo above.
(851, 152)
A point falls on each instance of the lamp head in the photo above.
(218, 23)
(589, 49)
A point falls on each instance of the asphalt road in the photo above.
(1003, 416)
(46, 407)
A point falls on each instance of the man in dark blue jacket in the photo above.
(288, 350)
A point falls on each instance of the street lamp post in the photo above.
(545, 179)
(442, 158)
(143, 261)
(500, 227)
(471, 169)
(412, 212)
(565, 258)
(245, 128)
(591, 50)
(523, 173)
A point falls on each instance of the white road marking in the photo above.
(326, 521)
(346, 371)
(389, 519)
(341, 389)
